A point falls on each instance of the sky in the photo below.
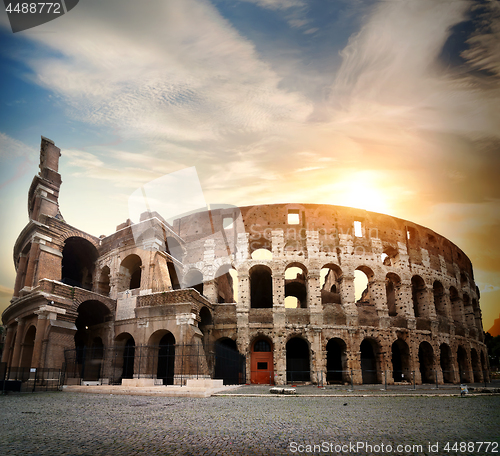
(391, 106)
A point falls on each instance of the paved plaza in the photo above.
(63, 423)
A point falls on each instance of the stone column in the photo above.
(33, 260)
(7, 348)
(279, 312)
(314, 298)
(41, 326)
(16, 356)
(348, 299)
(21, 271)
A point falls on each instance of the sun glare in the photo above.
(362, 193)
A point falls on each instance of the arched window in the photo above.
(261, 287)
(79, 256)
(130, 273)
(296, 286)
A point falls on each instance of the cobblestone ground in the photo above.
(87, 424)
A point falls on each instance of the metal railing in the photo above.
(168, 364)
(30, 379)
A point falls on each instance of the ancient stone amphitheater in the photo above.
(260, 294)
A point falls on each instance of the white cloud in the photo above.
(179, 73)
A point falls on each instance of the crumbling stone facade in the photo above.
(274, 282)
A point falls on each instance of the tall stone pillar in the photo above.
(16, 356)
(348, 299)
(7, 348)
(21, 272)
(41, 326)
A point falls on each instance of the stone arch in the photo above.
(78, 262)
(225, 279)
(363, 275)
(370, 361)
(28, 346)
(296, 285)
(174, 248)
(193, 279)
(426, 362)
(330, 276)
(125, 356)
(446, 363)
(456, 305)
(129, 276)
(401, 362)
(439, 298)
(419, 296)
(261, 287)
(463, 365)
(336, 361)
(262, 253)
(103, 284)
(298, 368)
(90, 314)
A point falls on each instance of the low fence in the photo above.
(167, 364)
(30, 379)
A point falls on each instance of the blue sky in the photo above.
(390, 106)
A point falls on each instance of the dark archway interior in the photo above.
(297, 361)
(78, 262)
(426, 361)
(166, 359)
(446, 363)
(261, 288)
(335, 361)
(368, 363)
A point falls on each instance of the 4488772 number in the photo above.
(33, 8)
(471, 447)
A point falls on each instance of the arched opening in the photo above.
(362, 277)
(103, 286)
(261, 287)
(476, 366)
(166, 359)
(205, 324)
(78, 262)
(418, 295)
(439, 298)
(297, 361)
(28, 345)
(94, 359)
(456, 308)
(400, 357)
(125, 356)
(296, 286)
(446, 363)
(330, 284)
(194, 279)
(174, 279)
(229, 363)
(369, 361)
(390, 257)
(426, 362)
(392, 284)
(174, 248)
(90, 315)
(224, 284)
(262, 254)
(261, 362)
(463, 365)
(129, 277)
(336, 361)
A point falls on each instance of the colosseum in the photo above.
(259, 294)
